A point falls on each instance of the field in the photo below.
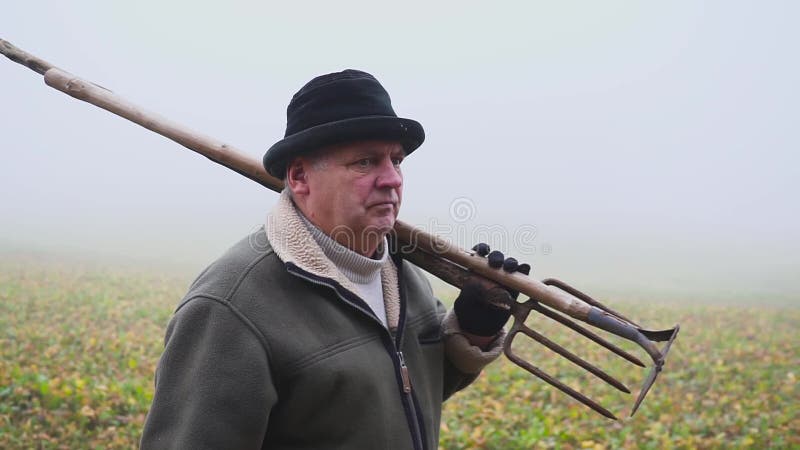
(79, 344)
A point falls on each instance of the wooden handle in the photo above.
(219, 152)
(17, 55)
(433, 248)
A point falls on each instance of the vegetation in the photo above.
(79, 344)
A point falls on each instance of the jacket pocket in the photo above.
(431, 336)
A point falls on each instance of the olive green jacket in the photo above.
(271, 348)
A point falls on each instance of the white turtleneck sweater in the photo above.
(363, 272)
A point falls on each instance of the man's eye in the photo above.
(397, 161)
(363, 163)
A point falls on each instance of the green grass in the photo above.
(79, 344)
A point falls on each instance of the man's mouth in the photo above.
(386, 203)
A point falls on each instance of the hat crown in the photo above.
(337, 96)
(340, 107)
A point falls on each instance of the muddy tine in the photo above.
(552, 381)
(585, 332)
(574, 358)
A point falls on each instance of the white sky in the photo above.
(653, 146)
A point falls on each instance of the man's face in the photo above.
(355, 189)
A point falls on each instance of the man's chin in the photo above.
(381, 226)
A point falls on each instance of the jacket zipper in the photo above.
(404, 373)
(412, 416)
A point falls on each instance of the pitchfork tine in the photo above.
(552, 381)
(655, 371)
(573, 358)
(536, 306)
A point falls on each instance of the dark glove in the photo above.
(483, 308)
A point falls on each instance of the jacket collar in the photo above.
(293, 243)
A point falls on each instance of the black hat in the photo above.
(336, 108)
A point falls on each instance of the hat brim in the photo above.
(406, 131)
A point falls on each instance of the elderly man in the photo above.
(312, 332)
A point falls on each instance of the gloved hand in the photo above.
(497, 260)
(483, 307)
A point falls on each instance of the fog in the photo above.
(640, 149)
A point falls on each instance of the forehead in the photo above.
(364, 148)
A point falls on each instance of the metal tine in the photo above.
(651, 379)
(572, 357)
(538, 307)
(648, 383)
(586, 298)
(552, 381)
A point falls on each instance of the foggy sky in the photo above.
(652, 147)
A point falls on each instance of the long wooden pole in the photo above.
(436, 255)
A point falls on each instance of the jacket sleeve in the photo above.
(464, 361)
(465, 356)
(212, 387)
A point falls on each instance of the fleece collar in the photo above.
(293, 243)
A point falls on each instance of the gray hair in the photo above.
(319, 161)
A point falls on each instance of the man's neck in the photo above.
(356, 267)
(365, 246)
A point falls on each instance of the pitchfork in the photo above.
(604, 318)
(551, 298)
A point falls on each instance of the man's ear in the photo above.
(297, 176)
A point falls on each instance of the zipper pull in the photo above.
(404, 373)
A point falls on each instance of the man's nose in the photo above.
(389, 175)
